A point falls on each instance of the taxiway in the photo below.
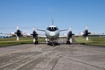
(47, 57)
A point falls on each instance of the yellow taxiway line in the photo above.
(20, 50)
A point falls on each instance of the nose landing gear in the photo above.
(53, 44)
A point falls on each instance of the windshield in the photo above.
(52, 28)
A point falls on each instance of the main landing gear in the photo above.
(68, 42)
(36, 42)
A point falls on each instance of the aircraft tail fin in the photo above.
(52, 21)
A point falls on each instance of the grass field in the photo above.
(12, 41)
(92, 40)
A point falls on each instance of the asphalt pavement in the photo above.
(46, 57)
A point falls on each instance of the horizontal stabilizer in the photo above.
(41, 30)
(62, 36)
(42, 36)
(64, 30)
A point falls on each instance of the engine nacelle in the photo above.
(18, 33)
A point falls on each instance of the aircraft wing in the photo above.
(64, 30)
(38, 35)
(28, 35)
(62, 36)
(42, 36)
(97, 34)
(8, 33)
(41, 30)
(89, 34)
(76, 35)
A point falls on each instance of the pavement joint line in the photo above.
(84, 63)
(87, 50)
(80, 62)
(21, 50)
(55, 63)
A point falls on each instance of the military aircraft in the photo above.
(52, 33)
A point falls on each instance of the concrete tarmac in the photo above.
(46, 57)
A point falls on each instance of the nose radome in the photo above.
(52, 33)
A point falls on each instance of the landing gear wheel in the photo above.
(68, 42)
(36, 42)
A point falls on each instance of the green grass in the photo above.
(92, 40)
(12, 41)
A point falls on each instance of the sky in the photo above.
(65, 13)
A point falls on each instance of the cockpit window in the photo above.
(52, 28)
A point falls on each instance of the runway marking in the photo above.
(21, 50)
(87, 50)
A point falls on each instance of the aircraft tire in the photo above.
(67, 42)
(36, 42)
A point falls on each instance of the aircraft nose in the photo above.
(52, 33)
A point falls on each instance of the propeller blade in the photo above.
(17, 38)
(87, 38)
(86, 27)
(33, 40)
(33, 28)
(70, 40)
(70, 28)
(17, 27)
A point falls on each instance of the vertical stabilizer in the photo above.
(52, 21)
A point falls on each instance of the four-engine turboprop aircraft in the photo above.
(51, 33)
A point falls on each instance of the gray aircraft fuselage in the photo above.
(52, 32)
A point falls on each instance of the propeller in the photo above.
(71, 34)
(70, 40)
(70, 28)
(86, 33)
(18, 33)
(34, 34)
(86, 38)
(87, 27)
(17, 38)
(17, 27)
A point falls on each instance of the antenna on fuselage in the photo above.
(52, 21)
